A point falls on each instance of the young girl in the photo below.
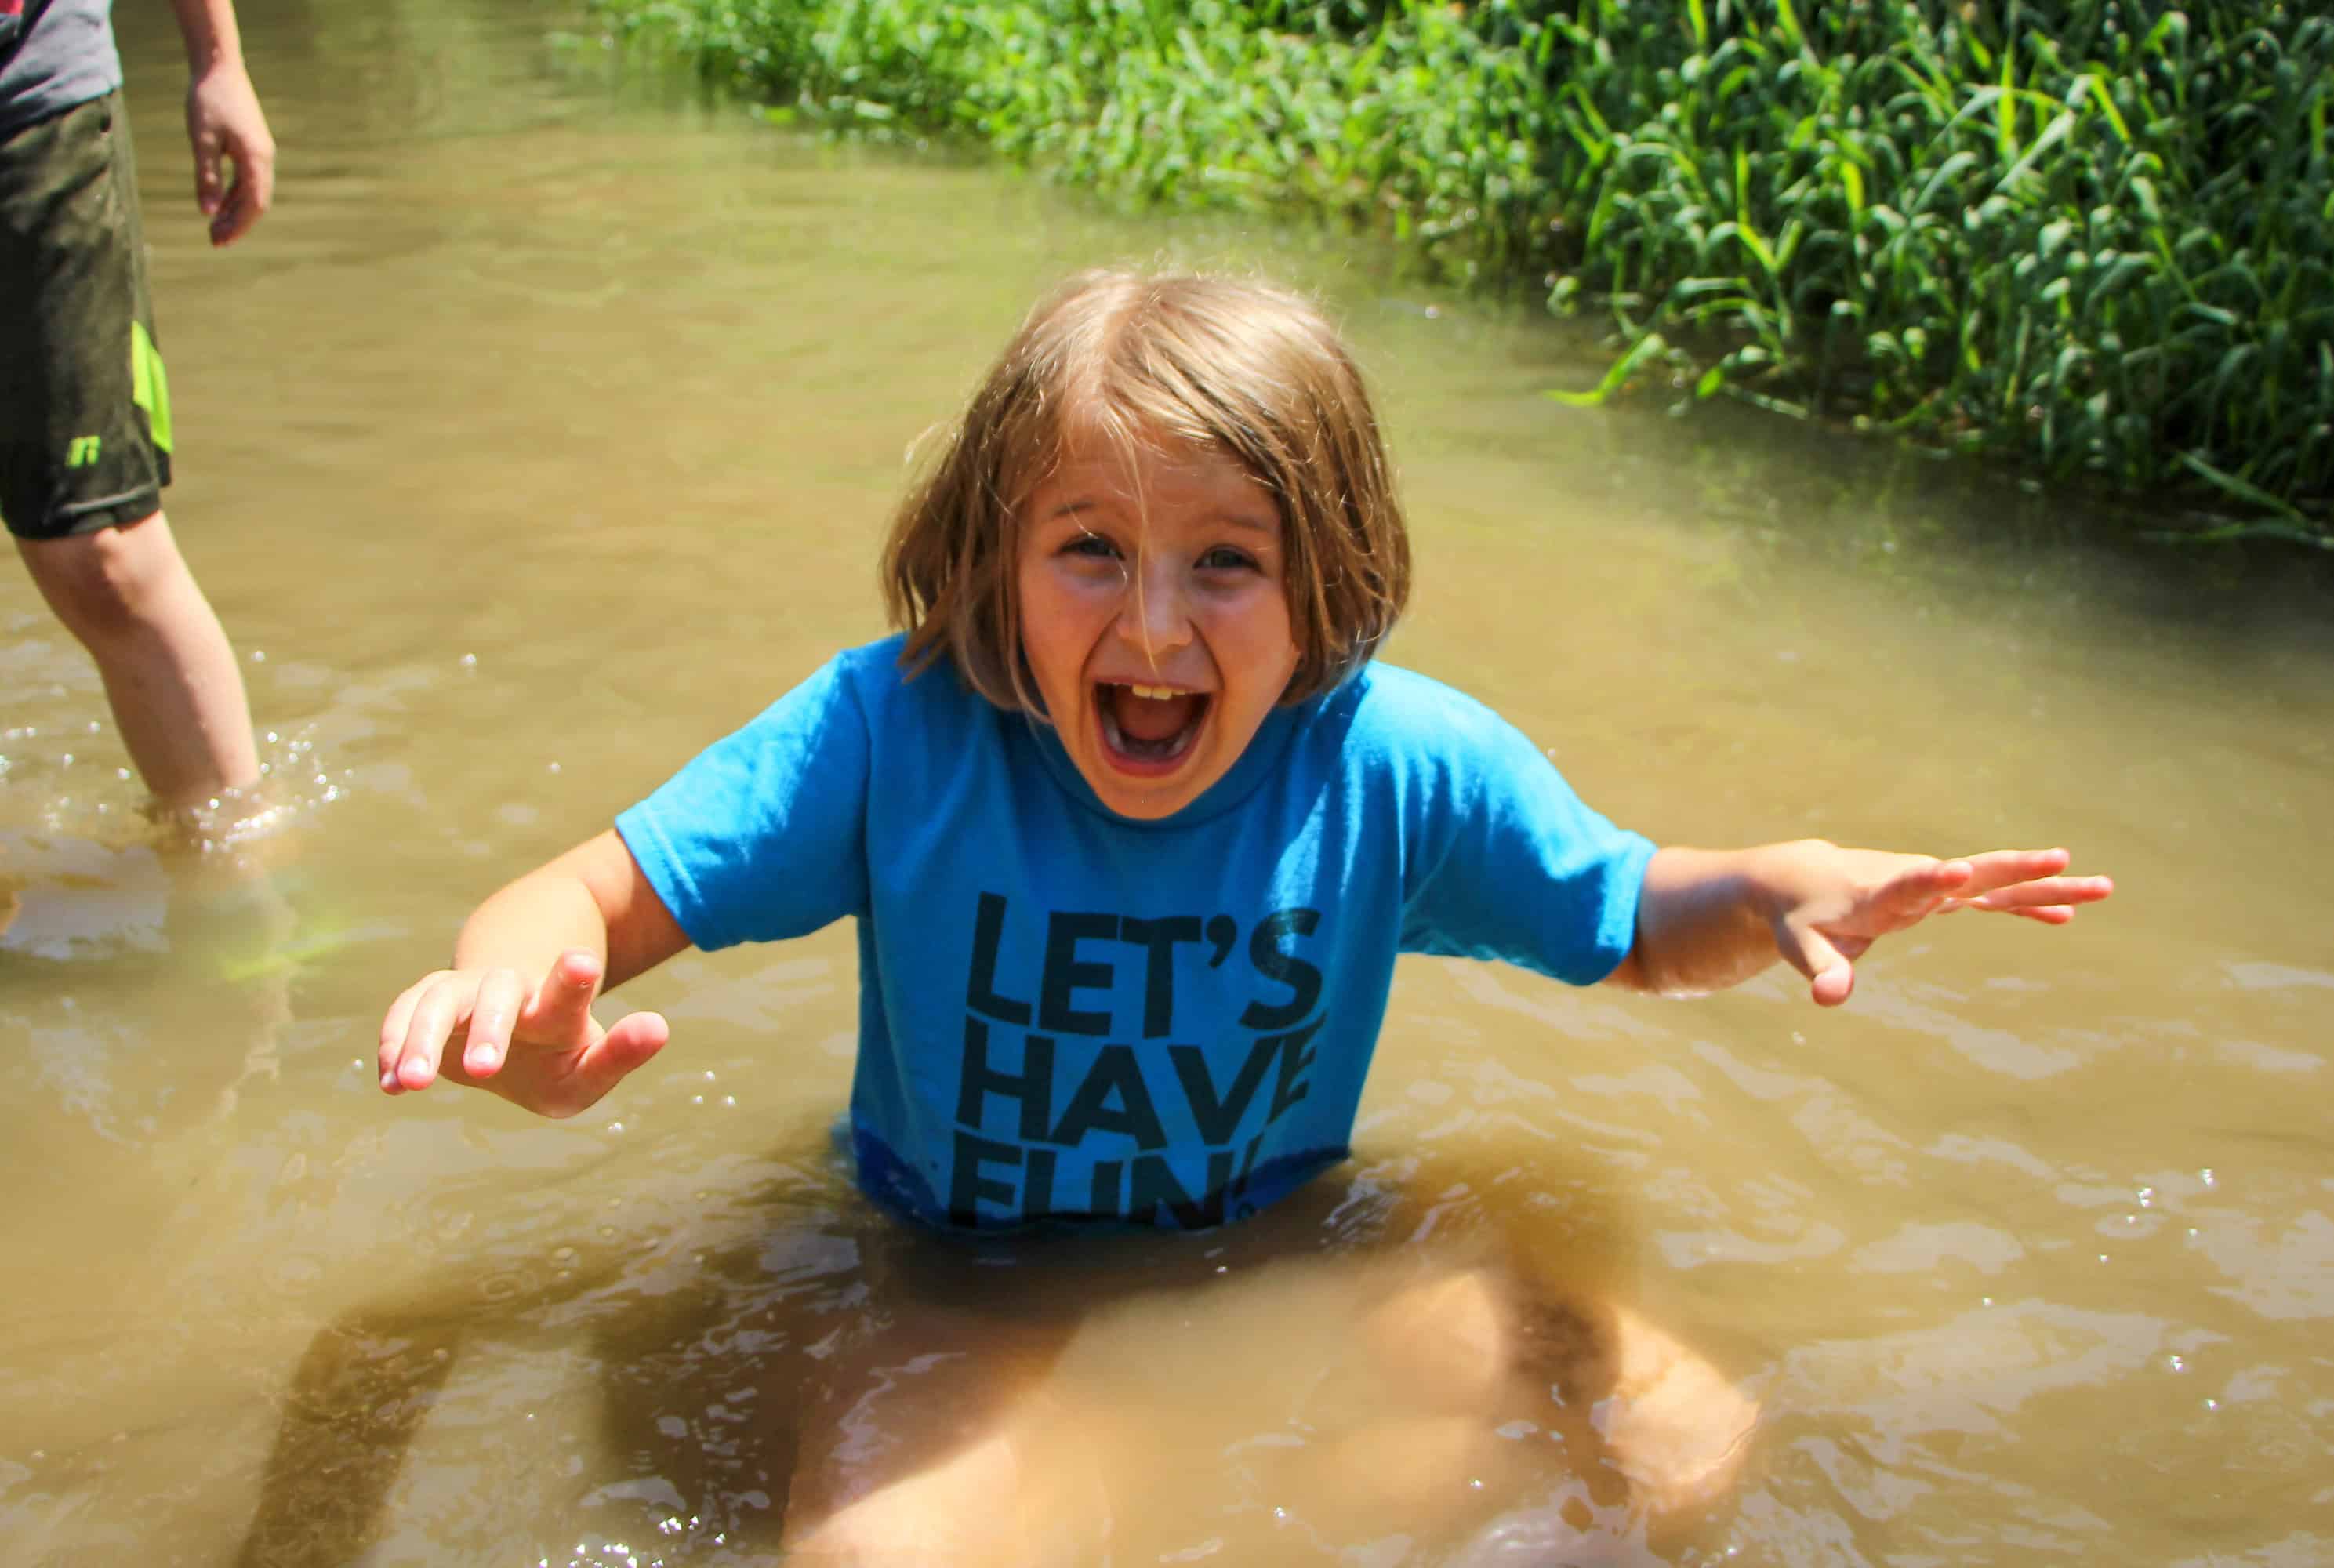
(1133, 829)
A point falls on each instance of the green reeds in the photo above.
(2097, 234)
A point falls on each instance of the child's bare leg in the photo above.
(943, 1439)
(1407, 1407)
(1409, 1473)
(1022, 1496)
(168, 670)
(1672, 1423)
(934, 1515)
(1448, 1348)
(1447, 1342)
(1417, 1399)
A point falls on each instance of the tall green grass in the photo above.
(2095, 235)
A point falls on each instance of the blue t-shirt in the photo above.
(1065, 1014)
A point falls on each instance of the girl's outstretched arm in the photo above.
(527, 966)
(1711, 918)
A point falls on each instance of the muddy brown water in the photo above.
(546, 430)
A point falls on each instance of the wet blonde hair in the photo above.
(1222, 365)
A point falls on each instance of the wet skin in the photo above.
(1155, 616)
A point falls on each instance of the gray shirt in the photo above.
(53, 54)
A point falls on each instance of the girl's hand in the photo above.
(539, 1047)
(1827, 905)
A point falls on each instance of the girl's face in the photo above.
(1154, 617)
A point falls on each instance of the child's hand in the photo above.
(224, 125)
(1829, 905)
(542, 1050)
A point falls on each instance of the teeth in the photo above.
(1155, 693)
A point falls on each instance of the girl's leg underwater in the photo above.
(1406, 1407)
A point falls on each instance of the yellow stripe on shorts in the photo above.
(150, 387)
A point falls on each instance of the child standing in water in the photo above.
(1134, 828)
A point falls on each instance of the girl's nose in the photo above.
(1154, 615)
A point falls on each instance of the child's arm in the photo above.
(588, 914)
(1710, 918)
(224, 120)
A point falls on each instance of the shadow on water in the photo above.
(368, 1380)
(700, 1354)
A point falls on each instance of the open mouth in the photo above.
(1148, 729)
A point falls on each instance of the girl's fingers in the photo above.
(394, 1024)
(562, 1008)
(602, 1065)
(493, 1018)
(635, 1037)
(1831, 976)
(1921, 890)
(2004, 867)
(441, 1010)
(2042, 891)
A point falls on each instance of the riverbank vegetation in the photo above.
(2095, 236)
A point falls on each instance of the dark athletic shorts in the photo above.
(84, 411)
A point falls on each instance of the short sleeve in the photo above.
(1508, 863)
(762, 835)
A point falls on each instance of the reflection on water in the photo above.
(546, 430)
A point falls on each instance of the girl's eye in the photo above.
(1092, 545)
(1224, 558)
